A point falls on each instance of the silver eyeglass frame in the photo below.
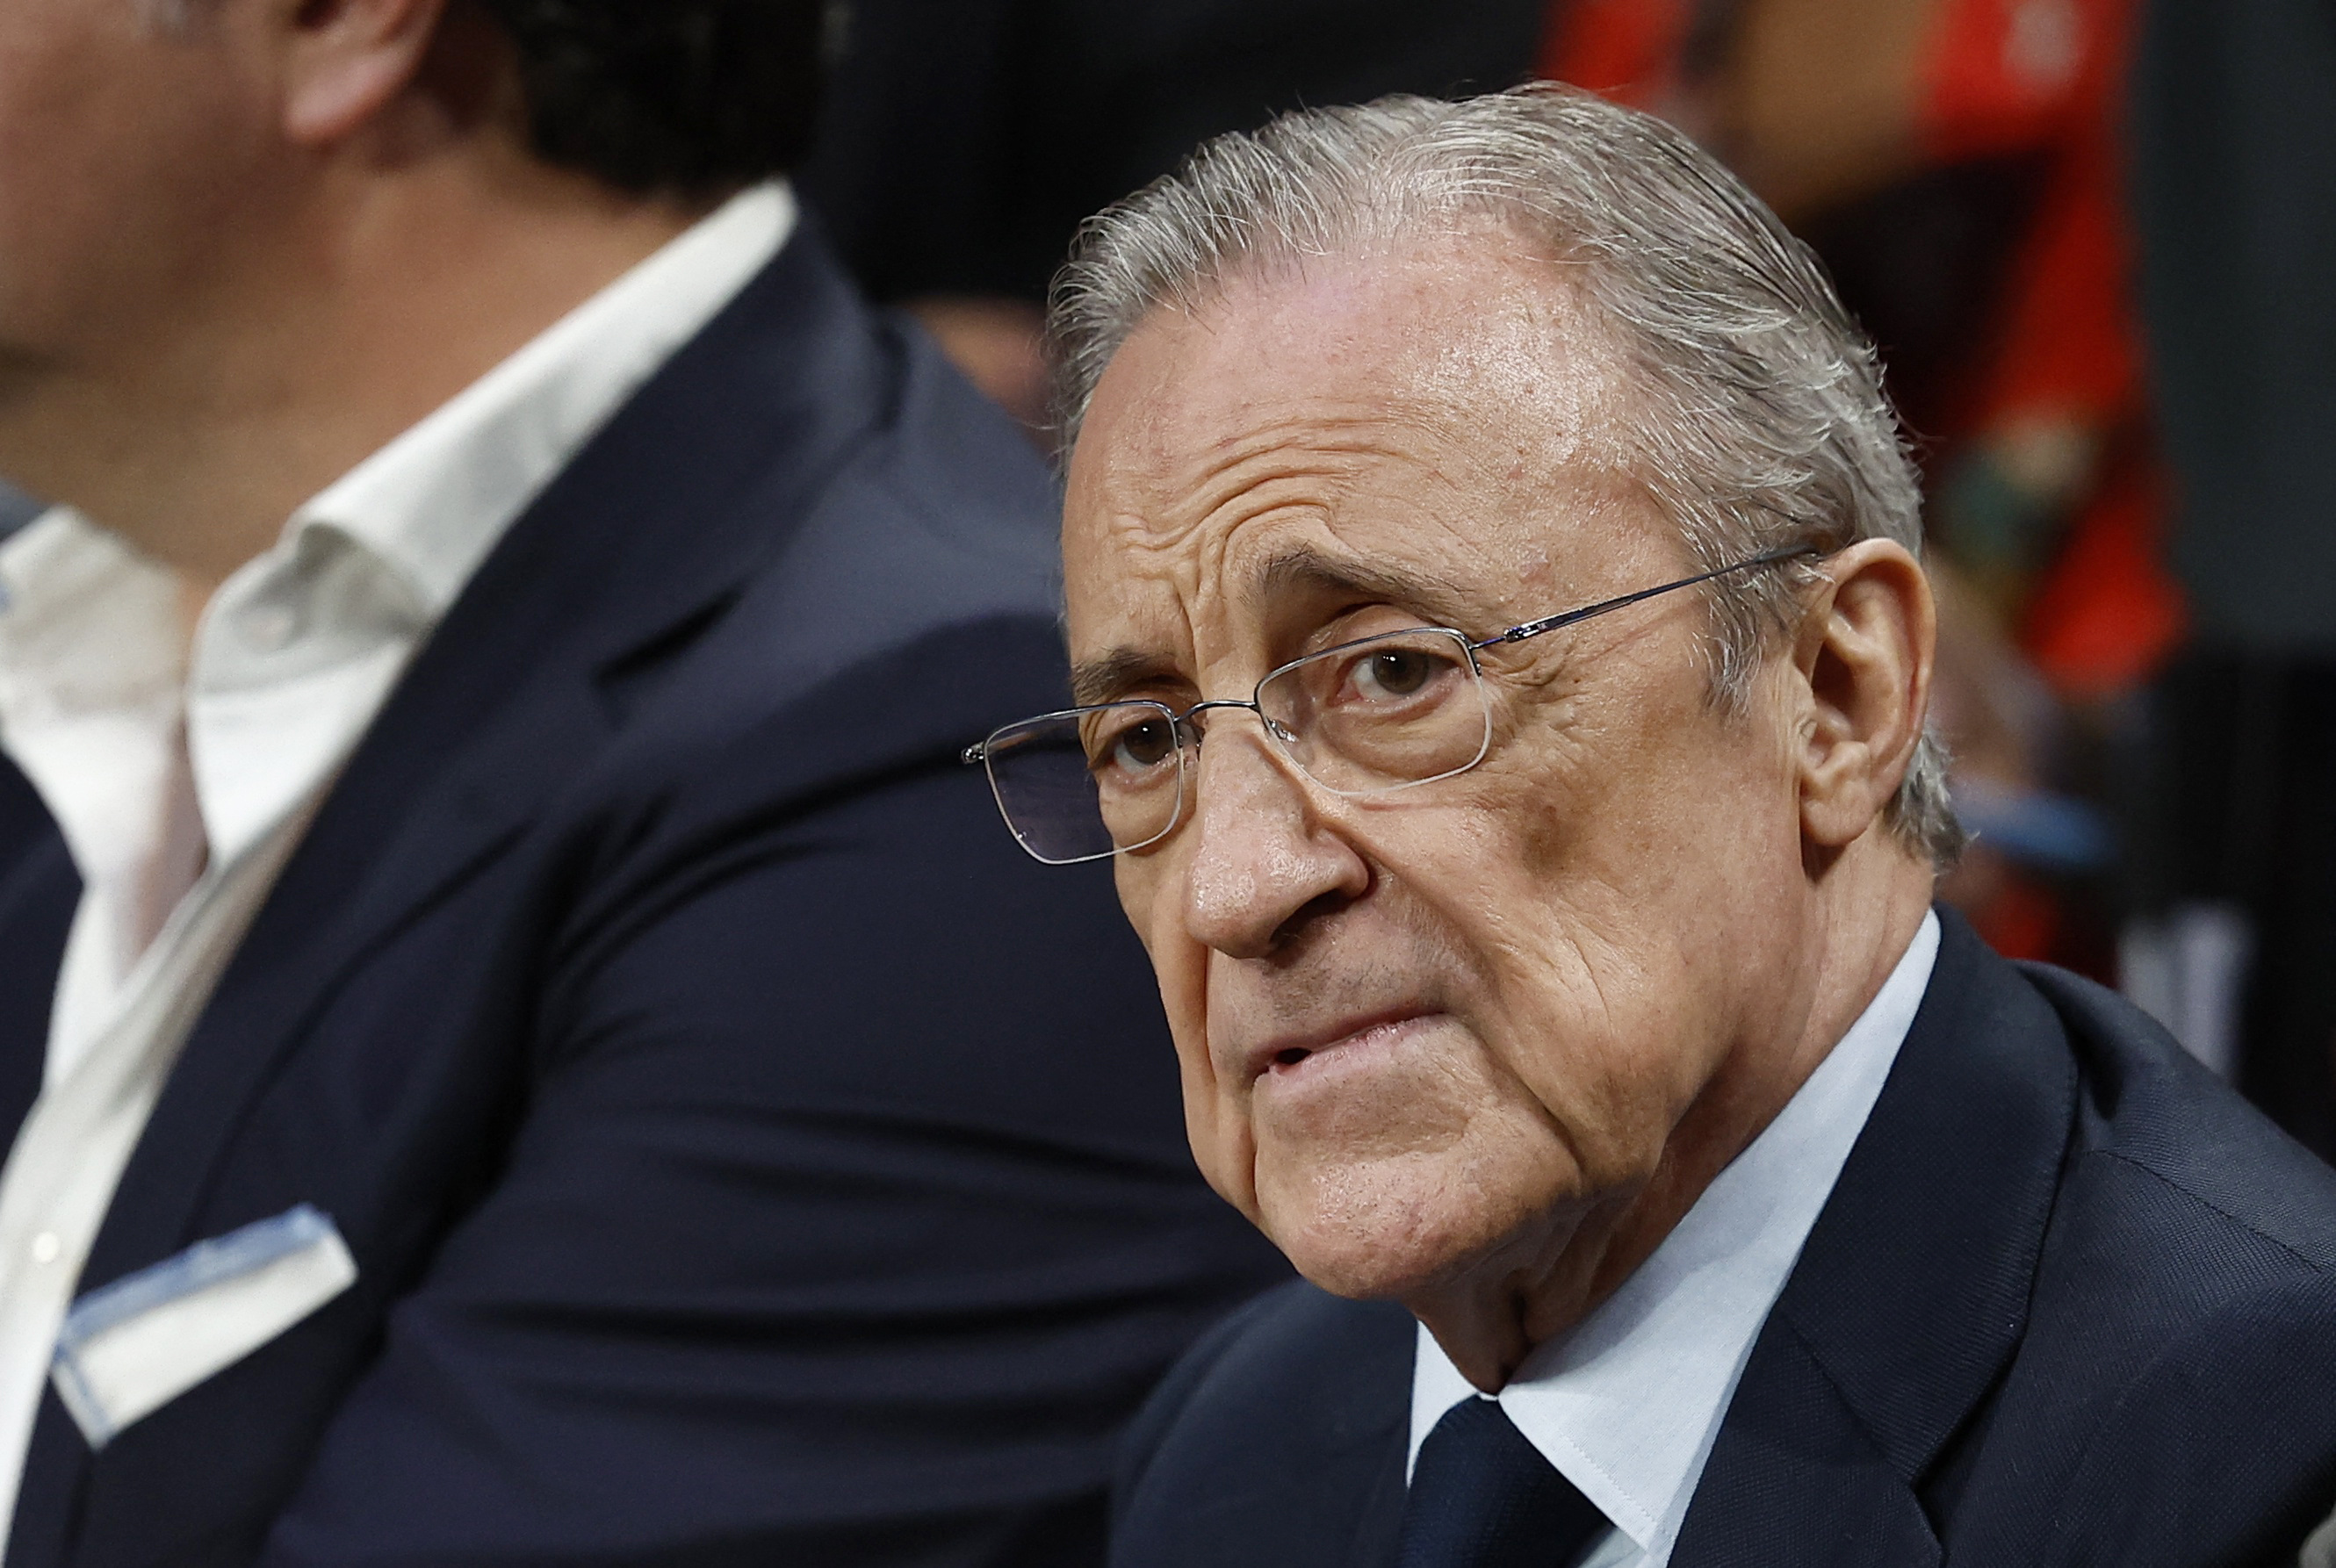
(1188, 735)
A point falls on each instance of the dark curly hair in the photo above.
(670, 97)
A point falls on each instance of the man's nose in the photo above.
(1261, 856)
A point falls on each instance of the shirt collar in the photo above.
(434, 502)
(94, 620)
(1627, 1404)
(299, 647)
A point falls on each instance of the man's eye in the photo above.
(1392, 675)
(1137, 747)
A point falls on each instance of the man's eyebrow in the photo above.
(1108, 677)
(1304, 569)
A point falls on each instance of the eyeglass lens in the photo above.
(1384, 713)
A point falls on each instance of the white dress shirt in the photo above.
(182, 779)
(1627, 1404)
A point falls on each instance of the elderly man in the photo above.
(1494, 602)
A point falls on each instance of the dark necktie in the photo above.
(1482, 1496)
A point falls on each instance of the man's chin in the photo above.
(1399, 1245)
(1360, 1278)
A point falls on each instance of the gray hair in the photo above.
(1759, 419)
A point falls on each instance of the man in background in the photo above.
(513, 1047)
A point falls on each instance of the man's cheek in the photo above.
(1148, 901)
(1223, 1143)
(1179, 964)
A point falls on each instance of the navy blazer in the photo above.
(749, 1156)
(2070, 1302)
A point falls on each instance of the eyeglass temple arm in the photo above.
(1554, 623)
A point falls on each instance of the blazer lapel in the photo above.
(645, 536)
(1911, 1294)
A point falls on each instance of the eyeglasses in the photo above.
(1382, 713)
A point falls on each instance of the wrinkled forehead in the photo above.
(1438, 413)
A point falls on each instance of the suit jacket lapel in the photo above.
(1912, 1292)
(653, 527)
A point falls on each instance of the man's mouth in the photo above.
(1287, 1052)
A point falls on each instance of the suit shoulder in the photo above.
(2218, 1444)
(2176, 1346)
(1190, 1373)
(1271, 1439)
(946, 513)
(2222, 1167)
(929, 551)
(954, 452)
(1297, 1340)
(893, 727)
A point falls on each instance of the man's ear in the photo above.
(1863, 662)
(347, 60)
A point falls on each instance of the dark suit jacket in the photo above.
(750, 1156)
(2070, 1302)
